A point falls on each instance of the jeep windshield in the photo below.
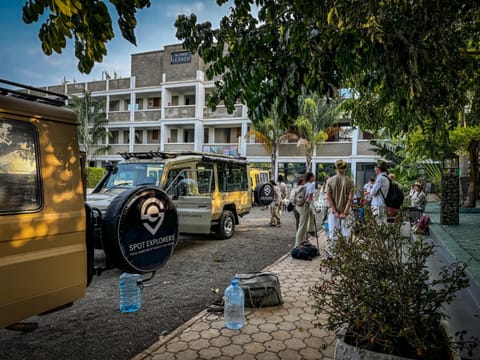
(134, 175)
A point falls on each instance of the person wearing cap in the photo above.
(418, 199)
(379, 191)
(340, 192)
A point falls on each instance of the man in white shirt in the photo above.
(379, 191)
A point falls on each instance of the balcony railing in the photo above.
(119, 116)
(179, 147)
(222, 149)
(257, 150)
(221, 112)
(148, 115)
(365, 148)
(116, 148)
(338, 149)
(182, 112)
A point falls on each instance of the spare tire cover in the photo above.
(264, 194)
(140, 230)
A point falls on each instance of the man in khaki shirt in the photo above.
(340, 190)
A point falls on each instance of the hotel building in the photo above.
(162, 107)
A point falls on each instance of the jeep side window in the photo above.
(233, 177)
(205, 178)
(19, 170)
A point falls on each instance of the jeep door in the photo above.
(191, 193)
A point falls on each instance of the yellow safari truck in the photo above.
(210, 192)
(48, 234)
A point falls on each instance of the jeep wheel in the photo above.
(226, 226)
(140, 230)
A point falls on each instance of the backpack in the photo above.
(299, 199)
(421, 227)
(305, 251)
(395, 197)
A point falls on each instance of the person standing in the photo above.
(340, 192)
(322, 201)
(275, 205)
(367, 188)
(300, 183)
(305, 211)
(418, 199)
(379, 191)
(284, 191)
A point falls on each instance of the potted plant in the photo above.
(378, 293)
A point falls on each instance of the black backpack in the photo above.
(305, 251)
(395, 197)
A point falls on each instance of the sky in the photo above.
(22, 59)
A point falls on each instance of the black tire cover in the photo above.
(264, 194)
(140, 230)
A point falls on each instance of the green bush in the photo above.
(94, 175)
(379, 289)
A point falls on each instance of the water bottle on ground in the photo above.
(234, 312)
(130, 292)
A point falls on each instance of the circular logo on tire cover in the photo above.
(266, 193)
(147, 230)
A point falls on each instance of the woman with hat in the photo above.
(419, 199)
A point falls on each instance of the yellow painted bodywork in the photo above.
(43, 252)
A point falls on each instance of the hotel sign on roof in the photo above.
(182, 57)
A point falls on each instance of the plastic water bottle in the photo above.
(130, 294)
(234, 313)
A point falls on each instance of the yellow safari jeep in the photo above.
(210, 192)
(48, 234)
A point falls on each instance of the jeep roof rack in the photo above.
(171, 155)
(23, 92)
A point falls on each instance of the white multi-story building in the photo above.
(162, 107)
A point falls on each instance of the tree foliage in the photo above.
(316, 114)
(92, 117)
(87, 22)
(407, 60)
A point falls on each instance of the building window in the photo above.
(114, 137)
(189, 99)
(153, 135)
(154, 103)
(173, 136)
(114, 105)
(205, 135)
(174, 101)
(20, 178)
(126, 136)
(138, 136)
(188, 135)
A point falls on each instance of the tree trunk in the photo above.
(473, 174)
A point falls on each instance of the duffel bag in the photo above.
(261, 289)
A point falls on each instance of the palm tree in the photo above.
(316, 115)
(270, 133)
(92, 117)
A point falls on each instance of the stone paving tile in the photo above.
(282, 332)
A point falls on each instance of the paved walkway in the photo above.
(289, 332)
(285, 332)
(463, 240)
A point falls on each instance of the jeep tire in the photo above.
(140, 230)
(226, 226)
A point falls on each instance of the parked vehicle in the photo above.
(258, 177)
(210, 192)
(48, 234)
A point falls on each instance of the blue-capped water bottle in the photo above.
(130, 292)
(234, 312)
